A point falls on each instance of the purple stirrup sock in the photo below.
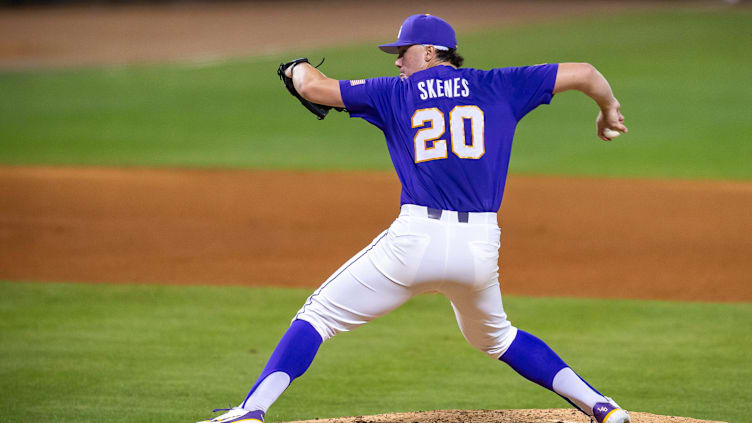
(533, 359)
(536, 362)
(294, 353)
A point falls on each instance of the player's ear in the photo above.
(430, 53)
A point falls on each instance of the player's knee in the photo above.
(493, 343)
(327, 318)
(323, 329)
(324, 324)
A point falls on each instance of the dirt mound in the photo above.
(554, 415)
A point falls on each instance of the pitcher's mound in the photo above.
(499, 416)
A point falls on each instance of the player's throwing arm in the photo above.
(586, 78)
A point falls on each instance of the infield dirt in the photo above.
(561, 236)
(554, 415)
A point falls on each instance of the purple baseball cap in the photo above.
(423, 29)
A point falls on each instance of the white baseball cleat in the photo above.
(610, 412)
(237, 414)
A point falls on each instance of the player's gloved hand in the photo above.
(610, 118)
(284, 71)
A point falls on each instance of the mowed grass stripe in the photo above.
(112, 353)
(679, 74)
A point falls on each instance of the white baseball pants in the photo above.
(454, 254)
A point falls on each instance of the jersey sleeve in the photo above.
(527, 87)
(369, 99)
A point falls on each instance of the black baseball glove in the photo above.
(319, 110)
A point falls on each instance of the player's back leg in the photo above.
(476, 299)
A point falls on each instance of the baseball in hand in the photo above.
(610, 133)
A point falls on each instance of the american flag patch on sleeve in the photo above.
(355, 82)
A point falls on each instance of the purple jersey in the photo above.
(449, 131)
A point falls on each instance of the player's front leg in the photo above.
(291, 358)
(354, 295)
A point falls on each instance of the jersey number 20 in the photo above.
(436, 128)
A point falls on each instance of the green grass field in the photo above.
(79, 352)
(680, 75)
(72, 352)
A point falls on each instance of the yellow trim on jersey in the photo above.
(472, 132)
(439, 145)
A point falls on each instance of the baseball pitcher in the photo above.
(449, 132)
